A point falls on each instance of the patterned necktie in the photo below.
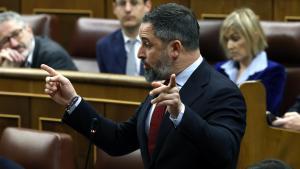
(131, 68)
(156, 119)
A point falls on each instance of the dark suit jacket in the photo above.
(49, 52)
(273, 78)
(208, 136)
(111, 54)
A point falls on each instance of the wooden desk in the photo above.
(24, 104)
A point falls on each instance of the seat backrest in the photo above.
(35, 149)
(284, 42)
(262, 141)
(42, 24)
(87, 32)
(129, 161)
(292, 88)
(210, 47)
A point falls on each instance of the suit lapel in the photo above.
(194, 86)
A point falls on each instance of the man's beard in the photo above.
(161, 70)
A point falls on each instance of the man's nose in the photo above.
(141, 53)
(128, 6)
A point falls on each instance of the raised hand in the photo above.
(58, 87)
(167, 95)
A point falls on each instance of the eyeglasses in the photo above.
(15, 35)
(123, 3)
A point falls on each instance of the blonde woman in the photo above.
(244, 43)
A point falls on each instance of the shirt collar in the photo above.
(126, 38)
(259, 63)
(183, 76)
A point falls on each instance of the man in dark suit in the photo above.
(20, 48)
(114, 51)
(194, 117)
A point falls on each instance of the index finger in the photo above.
(49, 69)
(172, 82)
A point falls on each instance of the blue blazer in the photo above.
(273, 78)
(208, 135)
(111, 54)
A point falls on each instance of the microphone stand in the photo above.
(92, 134)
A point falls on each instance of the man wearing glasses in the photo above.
(117, 53)
(20, 48)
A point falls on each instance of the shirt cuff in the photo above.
(74, 105)
(176, 121)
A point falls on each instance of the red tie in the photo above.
(156, 119)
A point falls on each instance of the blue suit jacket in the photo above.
(111, 54)
(207, 137)
(273, 78)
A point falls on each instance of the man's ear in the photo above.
(174, 49)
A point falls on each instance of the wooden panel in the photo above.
(223, 7)
(292, 18)
(14, 111)
(96, 6)
(13, 5)
(45, 114)
(283, 9)
(260, 140)
(3, 9)
(95, 85)
(9, 120)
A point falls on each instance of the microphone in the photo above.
(93, 129)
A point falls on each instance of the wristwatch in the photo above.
(72, 105)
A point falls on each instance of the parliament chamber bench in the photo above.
(24, 104)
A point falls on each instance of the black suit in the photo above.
(49, 52)
(208, 136)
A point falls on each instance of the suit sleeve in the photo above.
(114, 138)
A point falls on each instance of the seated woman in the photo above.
(244, 43)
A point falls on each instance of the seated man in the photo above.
(20, 48)
(291, 119)
(117, 53)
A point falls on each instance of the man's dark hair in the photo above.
(270, 164)
(174, 22)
